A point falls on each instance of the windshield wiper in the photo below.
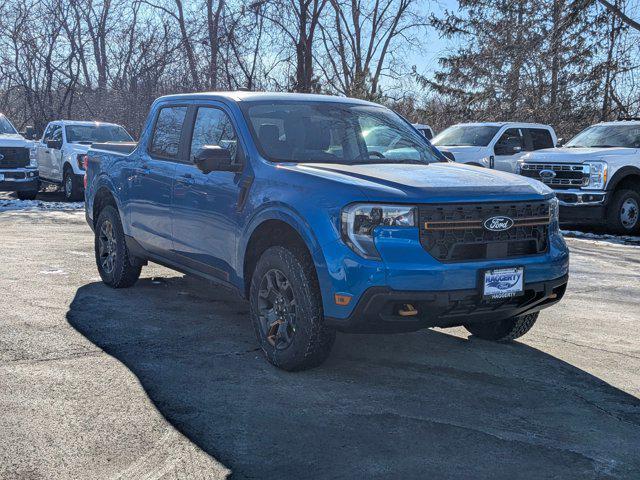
(376, 161)
(603, 146)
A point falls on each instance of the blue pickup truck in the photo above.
(283, 198)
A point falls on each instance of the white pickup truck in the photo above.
(18, 169)
(596, 176)
(62, 147)
(496, 145)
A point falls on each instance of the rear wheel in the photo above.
(286, 310)
(503, 330)
(112, 255)
(623, 214)
(72, 185)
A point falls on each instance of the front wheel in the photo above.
(623, 213)
(503, 330)
(112, 254)
(72, 186)
(286, 310)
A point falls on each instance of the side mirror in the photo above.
(29, 132)
(215, 158)
(561, 142)
(54, 144)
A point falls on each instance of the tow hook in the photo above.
(407, 310)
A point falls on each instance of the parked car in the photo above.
(62, 147)
(426, 130)
(596, 176)
(18, 168)
(281, 197)
(496, 145)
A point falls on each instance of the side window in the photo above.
(167, 132)
(510, 142)
(48, 133)
(540, 138)
(56, 134)
(213, 127)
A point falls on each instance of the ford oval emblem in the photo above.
(498, 224)
(548, 174)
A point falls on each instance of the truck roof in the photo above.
(501, 124)
(82, 122)
(620, 122)
(242, 96)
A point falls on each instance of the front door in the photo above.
(151, 182)
(205, 206)
(48, 155)
(509, 148)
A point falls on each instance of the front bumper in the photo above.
(378, 308)
(582, 207)
(407, 267)
(19, 180)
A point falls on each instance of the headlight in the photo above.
(33, 157)
(360, 220)
(597, 175)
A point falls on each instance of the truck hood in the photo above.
(446, 181)
(576, 155)
(464, 153)
(77, 148)
(15, 141)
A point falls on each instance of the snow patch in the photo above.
(618, 239)
(9, 204)
(53, 272)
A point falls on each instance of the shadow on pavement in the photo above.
(420, 405)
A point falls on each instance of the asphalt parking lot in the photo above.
(163, 380)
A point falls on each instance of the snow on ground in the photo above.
(12, 204)
(619, 239)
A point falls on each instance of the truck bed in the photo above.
(117, 147)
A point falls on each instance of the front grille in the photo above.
(566, 175)
(14, 157)
(456, 233)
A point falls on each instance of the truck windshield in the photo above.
(5, 126)
(607, 136)
(466, 136)
(326, 132)
(96, 133)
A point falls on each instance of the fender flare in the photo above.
(620, 175)
(286, 214)
(104, 182)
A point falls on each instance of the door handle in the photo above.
(186, 179)
(143, 170)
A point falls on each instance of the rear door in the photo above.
(151, 181)
(538, 138)
(206, 209)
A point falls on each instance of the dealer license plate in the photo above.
(503, 283)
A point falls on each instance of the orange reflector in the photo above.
(342, 299)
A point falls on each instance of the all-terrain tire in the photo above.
(311, 340)
(624, 201)
(28, 195)
(503, 330)
(72, 186)
(123, 273)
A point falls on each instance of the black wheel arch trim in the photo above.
(621, 174)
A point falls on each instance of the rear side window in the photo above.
(213, 127)
(541, 138)
(167, 132)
